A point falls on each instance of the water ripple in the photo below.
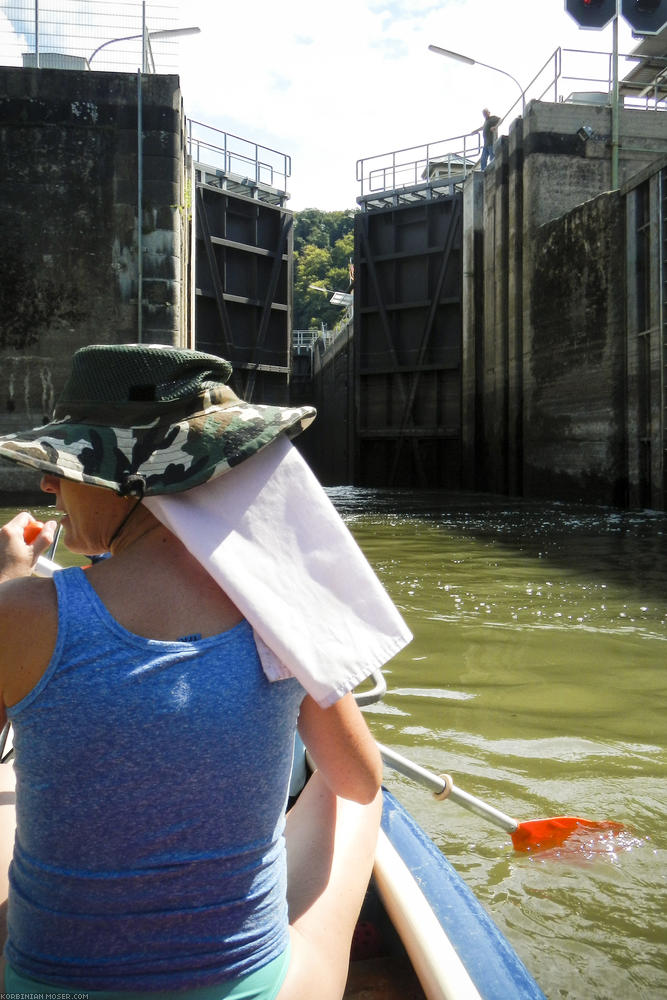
(431, 693)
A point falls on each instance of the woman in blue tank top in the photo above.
(152, 855)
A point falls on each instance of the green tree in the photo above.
(311, 267)
(323, 248)
(343, 250)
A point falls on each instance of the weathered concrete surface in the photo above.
(473, 451)
(328, 444)
(559, 382)
(574, 373)
(68, 200)
(561, 171)
(645, 199)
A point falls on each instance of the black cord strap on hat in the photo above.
(132, 485)
(123, 523)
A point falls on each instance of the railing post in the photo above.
(37, 33)
(615, 141)
(140, 212)
(143, 37)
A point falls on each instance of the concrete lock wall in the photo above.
(646, 336)
(574, 375)
(545, 352)
(328, 444)
(69, 204)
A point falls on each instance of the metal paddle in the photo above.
(534, 835)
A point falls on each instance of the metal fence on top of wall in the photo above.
(87, 34)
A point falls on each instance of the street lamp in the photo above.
(337, 298)
(147, 35)
(472, 62)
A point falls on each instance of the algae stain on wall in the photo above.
(30, 387)
(124, 267)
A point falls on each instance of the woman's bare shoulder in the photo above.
(27, 595)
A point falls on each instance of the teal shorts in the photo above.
(261, 985)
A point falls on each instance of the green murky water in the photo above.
(536, 678)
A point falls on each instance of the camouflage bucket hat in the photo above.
(146, 420)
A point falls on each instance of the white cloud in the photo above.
(13, 42)
(330, 83)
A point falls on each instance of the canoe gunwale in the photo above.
(488, 958)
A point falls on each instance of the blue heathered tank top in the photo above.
(151, 784)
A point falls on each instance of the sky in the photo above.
(331, 83)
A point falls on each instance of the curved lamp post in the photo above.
(476, 62)
(148, 35)
(146, 43)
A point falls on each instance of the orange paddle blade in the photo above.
(543, 834)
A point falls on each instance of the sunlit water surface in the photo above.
(536, 677)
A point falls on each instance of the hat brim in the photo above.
(160, 457)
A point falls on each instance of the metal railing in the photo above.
(446, 160)
(305, 340)
(64, 34)
(568, 75)
(233, 155)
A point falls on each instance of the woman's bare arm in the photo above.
(28, 615)
(343, 748)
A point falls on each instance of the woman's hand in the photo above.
(18, 557)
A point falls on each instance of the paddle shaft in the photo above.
(442, 786)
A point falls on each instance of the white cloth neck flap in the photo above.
(271, 538)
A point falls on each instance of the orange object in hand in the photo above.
(31, 531)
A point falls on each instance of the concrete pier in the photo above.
(88, 254)
(549, 382)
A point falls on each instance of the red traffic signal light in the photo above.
(591, 13)
(645, 17)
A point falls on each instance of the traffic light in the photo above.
(645, 17)
(592, 13)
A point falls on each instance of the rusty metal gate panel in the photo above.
(243, 279)
(407, 345)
